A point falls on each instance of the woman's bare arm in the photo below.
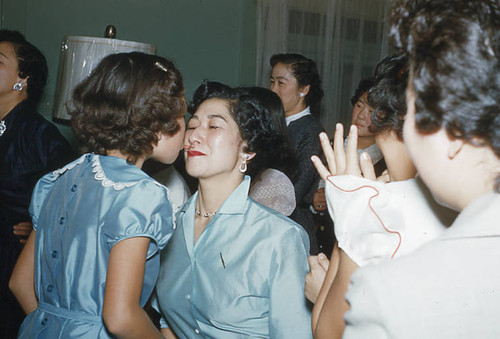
(22, 281)
(323, 292)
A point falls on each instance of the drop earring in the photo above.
(18, 86)
(243, 167)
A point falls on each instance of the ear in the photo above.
(248, 156)
(305, 89)
(454, 147)
(24, 81)
(160, 136)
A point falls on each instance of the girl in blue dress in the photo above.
(92, 261)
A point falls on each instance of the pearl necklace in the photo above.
(205, 214)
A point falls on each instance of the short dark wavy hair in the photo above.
(306, 73)
(273, 144)
(251, 111)
(388, 95)
(31, 63)
(125, 102)
(454, 51)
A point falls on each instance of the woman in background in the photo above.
(296, 80)
(92, 260)
(234, 268)
(30, 146)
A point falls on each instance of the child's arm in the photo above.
(22, 281)
(122, 313)
(330, 319)
(168, 333)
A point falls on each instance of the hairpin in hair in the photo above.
(161, 66)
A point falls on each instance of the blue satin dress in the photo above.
(244, 277)
(79, 213)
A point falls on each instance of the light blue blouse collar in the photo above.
(234, 204)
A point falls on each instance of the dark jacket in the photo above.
(30, 147)
(304, 133)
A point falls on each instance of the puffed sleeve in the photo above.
(289, 315)
(365, 319)
(365, 213)
(42, 188)
(143, 210)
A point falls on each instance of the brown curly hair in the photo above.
(125, 102)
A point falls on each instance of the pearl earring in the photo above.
(301, 94)
(18, 86)
(243, 166)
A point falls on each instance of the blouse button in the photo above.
(61, 220)
(44, 321)
(49, 288)
(73, 188)
(197, 331)
(188, 297)
(54, 254)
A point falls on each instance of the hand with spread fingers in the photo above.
(343, 161)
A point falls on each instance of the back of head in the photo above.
(306, 73)
(388, 94)
(125, 102)
(31, 63)
(275, 147)
(454, 50)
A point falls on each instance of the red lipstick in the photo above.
(195, 154)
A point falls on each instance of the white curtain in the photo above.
(346, 38)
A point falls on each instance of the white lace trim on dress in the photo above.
(99, 175)
(58, 172)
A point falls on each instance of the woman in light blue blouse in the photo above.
(100, 222)
(233, 268)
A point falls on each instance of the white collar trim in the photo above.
(297, 116)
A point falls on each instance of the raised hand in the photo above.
(343, 161)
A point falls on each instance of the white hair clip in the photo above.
(161, 66)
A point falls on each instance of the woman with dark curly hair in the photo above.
(234, 268)
(100, 221)
(296, 80)
(374, 220)
(30, 146)
(448, 288)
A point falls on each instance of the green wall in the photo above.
(207, 39)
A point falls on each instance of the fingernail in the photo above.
(323, 136)
(321, 255)
(353, 128)
(338, 126)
